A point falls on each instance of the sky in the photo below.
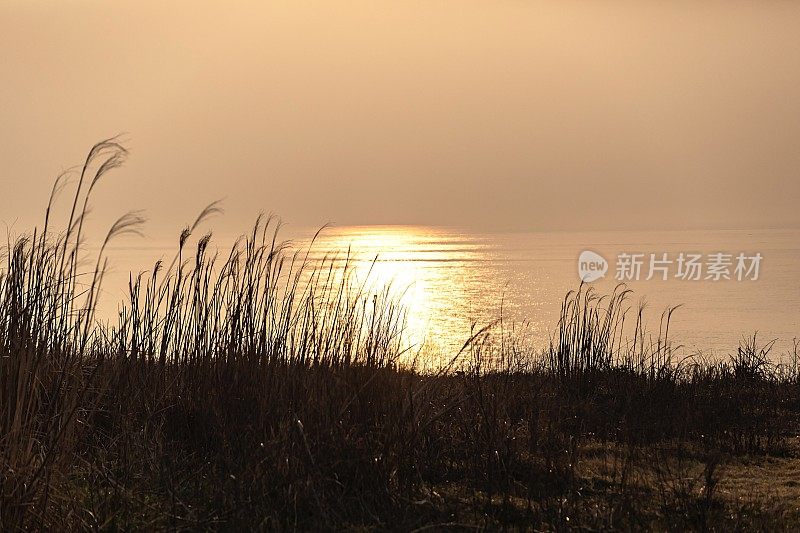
(492, 115)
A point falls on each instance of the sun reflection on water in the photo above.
(422, 267)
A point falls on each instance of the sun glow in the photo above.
(401, 258)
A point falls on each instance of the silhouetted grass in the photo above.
(264, 390)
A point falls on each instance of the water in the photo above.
(454, 279)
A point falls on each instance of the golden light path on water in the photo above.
(420, 266)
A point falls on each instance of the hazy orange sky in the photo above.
(489, 114)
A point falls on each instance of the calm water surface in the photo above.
(453, 279)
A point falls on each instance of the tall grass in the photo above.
(261, 389)
(187, 331)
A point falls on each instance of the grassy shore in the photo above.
(261, 391)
